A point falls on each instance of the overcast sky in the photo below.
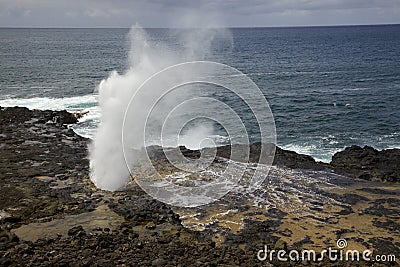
(179, 13)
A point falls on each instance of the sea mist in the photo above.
(147, 56)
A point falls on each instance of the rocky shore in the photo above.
(52, 215)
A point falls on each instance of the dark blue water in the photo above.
(328, 87)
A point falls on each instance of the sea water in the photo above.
(328, 87)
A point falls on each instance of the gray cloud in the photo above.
(167, 13)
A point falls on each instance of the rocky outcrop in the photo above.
(281, 157)
(368, 163)
(22, 114)
(364, 163)
(45, 188)
(44, 180)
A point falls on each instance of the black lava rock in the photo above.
(368, 163)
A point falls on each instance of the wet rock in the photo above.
(271, 153)
(379, 191)
(37, 144)
(64, 117)
(76, 230)
(22, 114)
(351, 199)
(387, 224)
(7, 239)
(346, 210)
(380, 210)
(295, 160)
(384, 245)
(368, 163)
(145, 209)
(268, 153)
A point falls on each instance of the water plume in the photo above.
(146, 57)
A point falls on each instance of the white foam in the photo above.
(46, 103)
(316, 152)
(90, 114)
(87, 104)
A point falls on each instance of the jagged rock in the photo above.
(368, 163)
(76, 230)
(22, 114)
(281, 157)
(64, 117)
(32, 146)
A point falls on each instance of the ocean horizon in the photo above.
(328, 86)
(225, 27)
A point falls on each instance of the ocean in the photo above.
(328, 87)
